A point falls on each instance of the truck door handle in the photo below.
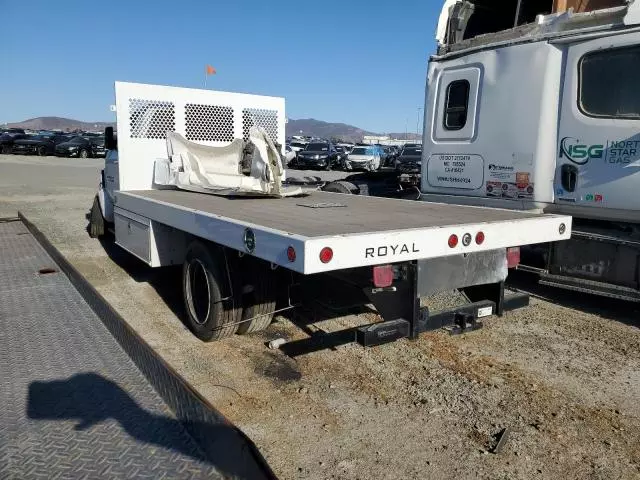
(569, 177)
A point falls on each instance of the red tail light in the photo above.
(326, 255)
(480, 238)
(453, 241)
(513, 257)
(291, 254)
(383, 276)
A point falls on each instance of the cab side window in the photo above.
(456, 105)
(608, 83)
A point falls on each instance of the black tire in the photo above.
(83, 153)
(96, 220)
(210, 314)
(42, 151)
(6, 149)
(260, 302)
(341, 187)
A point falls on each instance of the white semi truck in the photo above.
(536, 108)
(174, 192)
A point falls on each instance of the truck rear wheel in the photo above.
(259, 303)
(211, 311)
(341, 187)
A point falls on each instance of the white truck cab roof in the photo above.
(464, 24)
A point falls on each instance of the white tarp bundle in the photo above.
(218, 170)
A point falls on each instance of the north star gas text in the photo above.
(387, 250)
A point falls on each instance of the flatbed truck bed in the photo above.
(360, 230)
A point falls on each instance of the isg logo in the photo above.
(579, 153)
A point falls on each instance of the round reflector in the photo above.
(466, 239)
(326, 255)
(480, 238)
(453, 241)
(291, 254)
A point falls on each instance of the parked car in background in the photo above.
(317, 155)
(363, 158)
(298, 146)
(82, 147)
(12, 130)
(42, 145)
(384, 155)
(342, 154)
(7, 139)
(392, 153)
(347, 146)
(410, 159)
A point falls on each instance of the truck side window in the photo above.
(608, 83)
(456, 105)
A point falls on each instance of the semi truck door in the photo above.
(450, 129)
(598, 152)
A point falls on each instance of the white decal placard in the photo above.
(455, 171)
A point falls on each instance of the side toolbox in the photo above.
(133, 233)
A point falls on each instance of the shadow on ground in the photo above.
(608, 308)
(90, 399)
(166, 281)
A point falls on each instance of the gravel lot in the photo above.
(562, 375)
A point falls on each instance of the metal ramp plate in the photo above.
(73, 403)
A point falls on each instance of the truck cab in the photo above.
(541, 112)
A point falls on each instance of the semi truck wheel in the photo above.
(96, 220)
(341, 187)
(211, 314)
(259, 302)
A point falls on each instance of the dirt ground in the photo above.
(562, 376)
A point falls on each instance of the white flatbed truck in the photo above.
(238, 253)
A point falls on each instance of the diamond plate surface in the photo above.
(73, 403)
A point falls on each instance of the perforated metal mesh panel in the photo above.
(267, 119)
(151, 118)
(209, 123)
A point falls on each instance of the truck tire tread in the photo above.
(261, 301)
(223, 313)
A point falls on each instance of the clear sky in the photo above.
(359, 62)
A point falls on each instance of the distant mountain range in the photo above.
(308, 126)
(59, 123)
(317, 128)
